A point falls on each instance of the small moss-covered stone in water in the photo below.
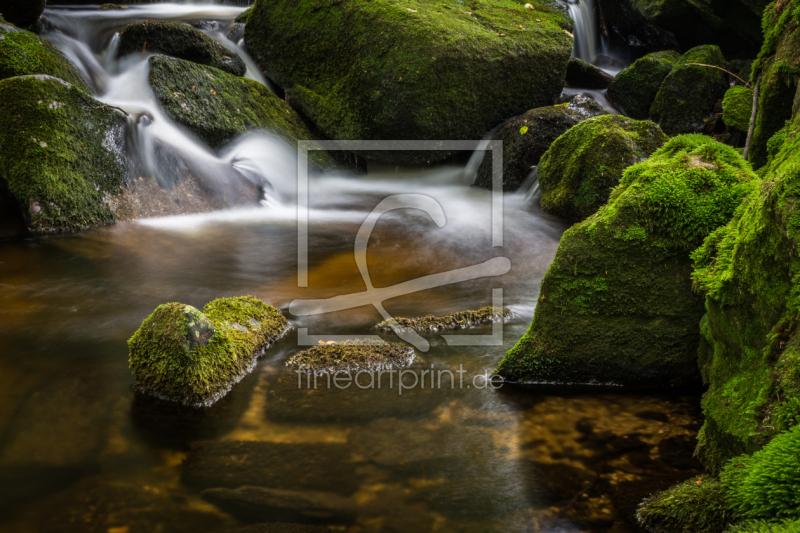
(687, 96)
(400, 70)
(617, 306)
(698, 505)
(218, 107)
(528, 137)
(181, 41)
(579, 170)
(60, 153)
(635, 88)
(737, 107)
(23, 53)
(182, 355)
(587, 76)
(459, 320)
(352, 356)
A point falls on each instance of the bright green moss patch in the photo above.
(459, 320)
(411, 70)
(635, 88)
(181, 41)
(579, 170)
(737, 107)
(183, 355)
(60, 152)
(23, 53)
(218, 107)
(687, 96)
(352, 356)
(766, 485)
(699, 505)
(763, 526)
(617, 304)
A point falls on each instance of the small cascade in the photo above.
(587, 34)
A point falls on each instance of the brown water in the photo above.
(78, 452)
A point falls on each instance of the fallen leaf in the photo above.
(520, 26)
(528, 6)
(213, 91)
(537, 20)
(502, 35)
(523, 130)
(412, 10)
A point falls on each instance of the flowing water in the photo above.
(80, 452)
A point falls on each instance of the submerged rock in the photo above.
(60, 153)
(617, 306)
(687, 96)
(580, 169)
(778, 66)
(635, 88)
(352, 356)
(586, 76)
(459, 320)
(384, 70)
(738, 107)
(181, 41)
(529, 136)
(193, 358)
(23, 12)
(23, 53)
(625, 26)
(218, 107)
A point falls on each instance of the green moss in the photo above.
(23, 53)
(617, 305)
(60, 153)
(459, 320)
(242, 18)
(183, 355)
(218, 107)
(737, 107)
(762, 526)
(352, 356)
(411, 70)
(181, 41)
(699, 505)
(749, 272)
(687, 96)
(635, 88)
(777, 66)
(766, 485)
(579, 170)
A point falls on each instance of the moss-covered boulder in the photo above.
(242, 18)
(778, 68)
(688, 94)
(634, 89)
(699, 505)
(23, 53)
(60, 153)
(352, 356)
(182, 355)
(578, 172)
(733, 25)
(737, 107)
(181, 41)
(749, 272)
(587, 76)
(528, 137)
(400, 70)
(218, 107)
(23, 12)
(625, 26)
(617, 304)
(458, 320)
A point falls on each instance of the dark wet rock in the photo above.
(236, 33)
(261, 503)
(586, 76)
(578, 172)
(529, 136)
(635, 88)
(459, 320)
(284, 466)
(182, 355)
(23, 53)
(686, 99)
(386, 71)
(181, 41)
(352, 356)
(12, 219)
(678, 452)
(60, 153)
(23, 12)
(218, 107)
(617, 305)
(625, 26)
